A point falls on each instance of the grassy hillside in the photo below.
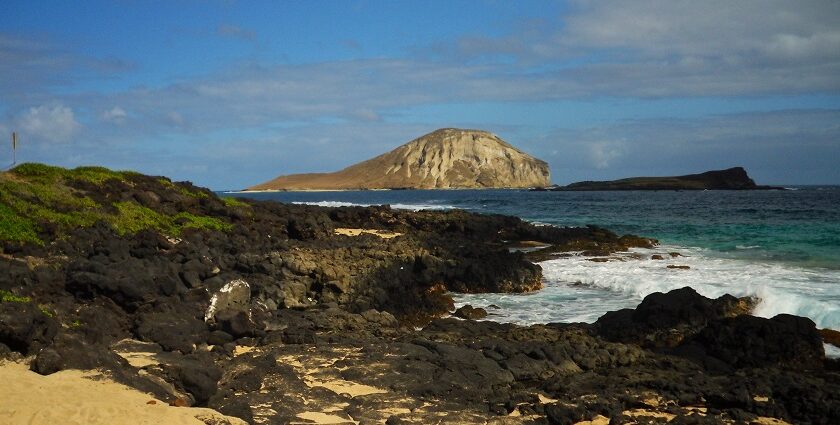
(40, 202)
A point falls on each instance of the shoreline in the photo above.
(277, 313)
(621, 280)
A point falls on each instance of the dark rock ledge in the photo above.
(270, 315)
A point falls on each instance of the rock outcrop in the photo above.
(735, 178)
(444, 159)
(665, 320)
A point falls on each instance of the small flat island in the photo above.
(735, 178)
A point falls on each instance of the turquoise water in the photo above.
(780, 246)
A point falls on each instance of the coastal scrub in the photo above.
(8, 297)
(38, 200)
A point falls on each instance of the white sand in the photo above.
(597, 420)
(71, 397)
(356, 232)
(323, 419)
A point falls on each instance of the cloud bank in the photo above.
(271, 116)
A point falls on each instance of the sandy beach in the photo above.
(87, 398)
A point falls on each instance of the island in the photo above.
(448, 158)
(735, 178)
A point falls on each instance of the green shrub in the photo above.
(50, 174)
(45, 310)
(201, 222)
(8, 297)
(34, 195)
(43, 172)
(233, 202)
(96, 175)
(180, 188)
(133, 217)
(15, 228)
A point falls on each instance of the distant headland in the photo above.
(448, 158)
(735, 178)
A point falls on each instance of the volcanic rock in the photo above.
(749, 341)
(666, 319)
(24, 328)
(470, 312)
(173, 330)
(235, 296)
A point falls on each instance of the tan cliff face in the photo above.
(446, 158)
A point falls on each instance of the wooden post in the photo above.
(14, 148)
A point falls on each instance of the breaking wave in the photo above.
(577, 289)
(398, 206)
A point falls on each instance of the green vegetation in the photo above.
(98, 175)
(38, 198)
(8, 297)
(45, 311)
(233, 202)
(41, 172)
(13, 227)
(201, 222)
(181, 189)
(134, 217)
(50, 174)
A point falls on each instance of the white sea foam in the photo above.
(418, 207)
(577, 289)
(332, 204)
(831, 351)
(398, 206)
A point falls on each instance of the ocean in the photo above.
(782, 247)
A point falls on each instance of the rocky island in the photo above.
(448, 158)
(269, 313)
(735, 178)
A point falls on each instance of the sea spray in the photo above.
(410, 207)
(579, 289)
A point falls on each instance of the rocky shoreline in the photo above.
(276, 314)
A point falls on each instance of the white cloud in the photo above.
(654, 48)
(29, 65)
(610, 49)
(712, 28)
(116, 115)
(51, 123)
(645, 49)
(603, 153)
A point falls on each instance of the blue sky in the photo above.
(228, 94)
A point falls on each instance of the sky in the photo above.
(228, 94)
